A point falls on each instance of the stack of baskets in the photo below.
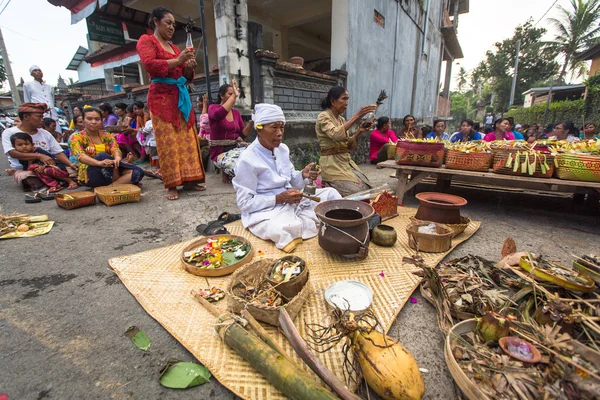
(420, 152)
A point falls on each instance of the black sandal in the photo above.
(32, 198)
(46, 195)
(212, 228)
(226, 218)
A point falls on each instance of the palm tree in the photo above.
(577, 30)
(461, 79)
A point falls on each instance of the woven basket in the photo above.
(467, 386)
(75, 200)
(252, 274)
(456, 228)
(292, 287)
(192, 269)
(499, 165)
(118, 194)
(429, 243)
(469, 161)
(419, 153)
(578, 167)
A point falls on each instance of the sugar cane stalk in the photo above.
(278, 370)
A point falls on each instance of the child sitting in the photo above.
(51, 175)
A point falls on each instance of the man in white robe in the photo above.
(268, 188)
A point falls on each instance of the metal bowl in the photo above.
(349, 295)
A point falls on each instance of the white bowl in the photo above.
(349, 295)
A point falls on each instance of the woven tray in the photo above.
(118, 194)
(192, 269)
(469, 161)
(419, 153)
(252, 274)
(499, 166)
(578, 167)
(75, 200)
(155, 278)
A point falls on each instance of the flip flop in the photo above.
(46, 196)
(212, 228)
(226, 218)
(152, 174)
(32, 198)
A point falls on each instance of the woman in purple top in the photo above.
(501, 131)
(380, 140)
(227, 131)
(109, 118)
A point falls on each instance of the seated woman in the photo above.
(380, 139)
(124, 134)
(99, 155)
(566, 131)
(268, 187)
(467, 132)
(589, 132)
(339, 170)
(78, 127)
(500, 132)
(439, 127)
(50, 125)
(408, 129)
(227, 131)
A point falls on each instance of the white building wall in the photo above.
(386, 58)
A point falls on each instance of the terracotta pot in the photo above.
(344, 227)
(439, 207)
(384, 235)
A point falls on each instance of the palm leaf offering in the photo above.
(551, 314)
(476, 146)
(217, 253)
(19, 222)
(382, 96)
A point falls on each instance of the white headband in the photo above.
(33, 68)
(267, 113)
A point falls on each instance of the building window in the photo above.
(379, 19)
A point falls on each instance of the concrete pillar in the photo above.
(339, 34)
(447, 79)
(211, 38)
(255, 42)
(109, 79)
(267, 66)
(231, 26)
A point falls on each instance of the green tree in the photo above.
(577, 30)
(536, 63)
(461, 79)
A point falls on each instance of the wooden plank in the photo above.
(487, 175)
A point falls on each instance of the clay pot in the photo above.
(344, 227)
(439, 207)
(297, 60)
(384, 235)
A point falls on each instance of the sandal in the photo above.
(226, 217)
(212, 228)
(32, 198)
(46, 195)
(152, 174)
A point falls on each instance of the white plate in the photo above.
(349, 295)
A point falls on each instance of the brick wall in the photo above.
(301, 100)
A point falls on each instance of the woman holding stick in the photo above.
(173, 118)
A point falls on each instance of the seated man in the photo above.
(31, 116)
(266, 186)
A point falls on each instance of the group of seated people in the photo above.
(503, 129)
(38, 163)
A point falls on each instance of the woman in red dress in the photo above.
(173, 117)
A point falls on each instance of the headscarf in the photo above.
(33, 68)
(33, 108)
(266, 114)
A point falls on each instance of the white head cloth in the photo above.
(267, 113)
(34, 67)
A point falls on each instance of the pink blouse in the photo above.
(221, 129)
(490, 137)
(378, 140)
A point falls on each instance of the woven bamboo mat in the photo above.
(157, 280)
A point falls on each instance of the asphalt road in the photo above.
(63, 312)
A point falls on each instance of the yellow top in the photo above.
(333, 136)
(100, 148)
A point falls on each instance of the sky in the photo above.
(36, 32)
(491, 21)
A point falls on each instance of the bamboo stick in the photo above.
(299, 344)
(279, 371)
